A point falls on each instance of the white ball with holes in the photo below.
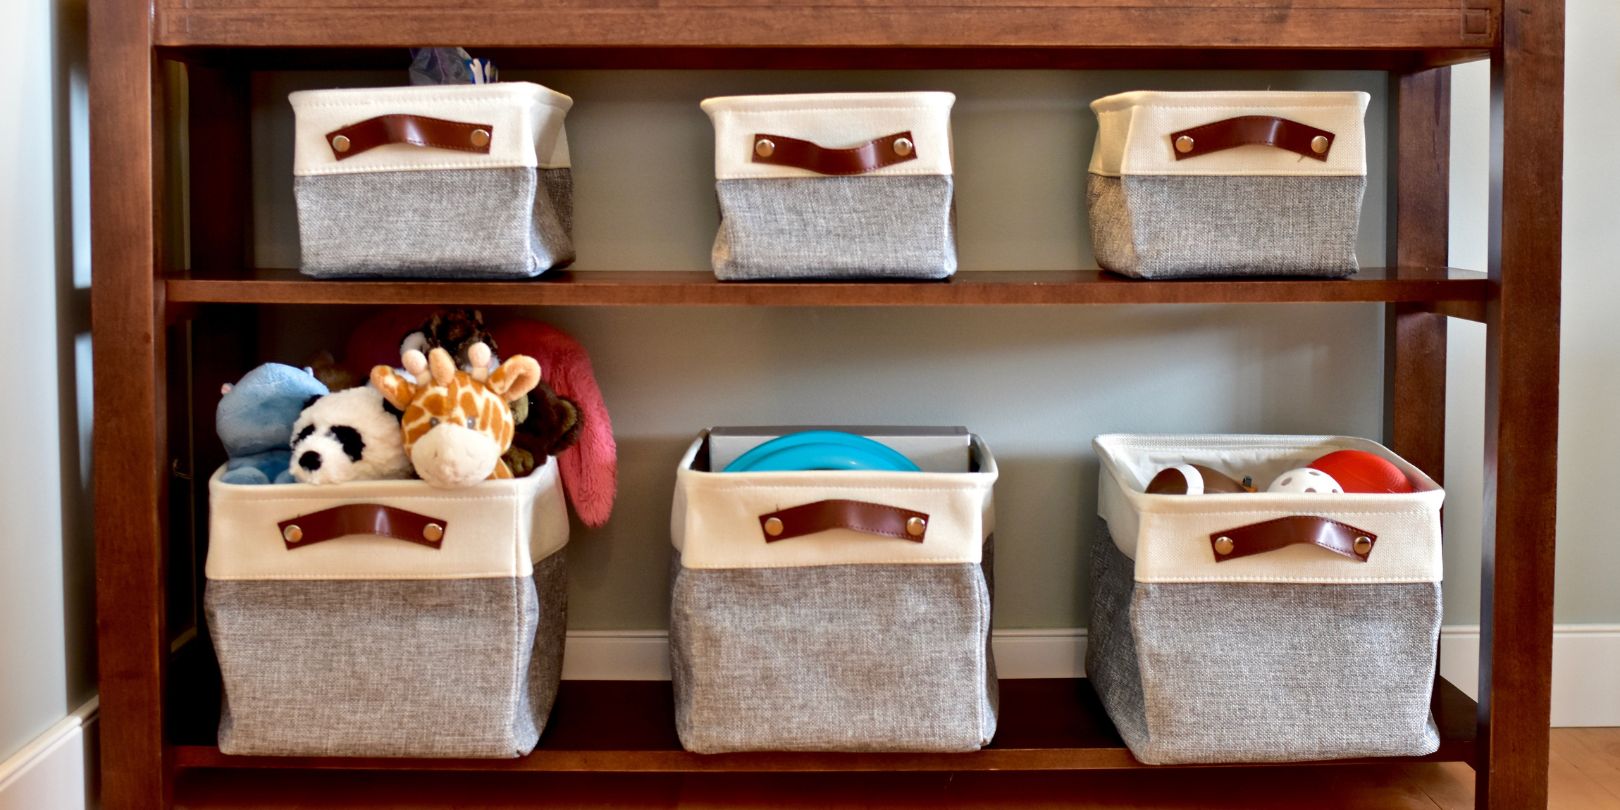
(1306, 481)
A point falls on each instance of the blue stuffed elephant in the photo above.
(255, 420)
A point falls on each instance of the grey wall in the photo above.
(47, 634)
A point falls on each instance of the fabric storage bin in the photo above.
(792, 630)
(1227, 183)
(433, 181)
(834, 185)
(387, 618)
(1255, 655)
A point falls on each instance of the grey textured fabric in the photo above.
(1262, 672)
(559, 185)
(460, 223)
(1172, 227)
(836, 227)
(397, 668)
(833, 658)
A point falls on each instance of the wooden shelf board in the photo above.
(1366, 25)
(847, 58)
(682, 288)
(628, 727)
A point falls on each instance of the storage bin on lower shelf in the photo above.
(387, 618)
(833, 611)
(1220, 633)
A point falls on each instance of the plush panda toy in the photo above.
(349, 435)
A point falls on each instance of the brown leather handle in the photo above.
(860, 516)
(780, 150)
(417, 130)
(362, 518)
(1259, 538)
(1250, 130)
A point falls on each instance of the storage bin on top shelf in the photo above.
(1264, 626)
(834, 185)
(387, 618)
(1229, 183)
(843, 610)
(433, 181)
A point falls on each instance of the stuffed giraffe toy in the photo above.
(456, 423)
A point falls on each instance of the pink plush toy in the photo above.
(590, 470)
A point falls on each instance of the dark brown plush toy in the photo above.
(455, 331)
(552, 425)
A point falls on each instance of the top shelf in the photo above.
(853, 33)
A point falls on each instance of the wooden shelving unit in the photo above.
(157, 325)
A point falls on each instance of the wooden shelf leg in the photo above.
(1521, 406)
(129, 350)
(1417, 235)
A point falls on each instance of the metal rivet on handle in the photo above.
(340, 143)
(773, 526)
(480, 138)
(292, 534)
(903, 146)
(1319, 144)
(1363, 544)
(916, 526)
(1224, 545)
(433, 532)
(1184, 144)
(764, 148)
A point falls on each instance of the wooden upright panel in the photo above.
(128, 358)
(1521, 410)
(1417, 235)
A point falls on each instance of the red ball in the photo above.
(1361, 471)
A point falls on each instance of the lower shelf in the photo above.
(627, 727)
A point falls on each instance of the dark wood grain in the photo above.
(1521, 405)
(628, 727)
(676, 288)
(1347, 24)
(128, 352)
(846, 58)
(1418, 234)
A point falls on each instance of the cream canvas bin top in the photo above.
(525, 120)
(492, 529)
(715, 522)
(1133, 132)
(831, 121)
(1169, 535)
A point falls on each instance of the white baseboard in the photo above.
(56, 770)
(1585, 660)
(616, 655)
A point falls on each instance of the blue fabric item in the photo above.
(255, 419)
(821, 450)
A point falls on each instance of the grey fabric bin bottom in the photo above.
(836, 227)
(451, 223)
(1199, 226)
(1261, 672)
(833, 658)
(396, 668)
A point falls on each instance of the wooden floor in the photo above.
(1585, 775)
